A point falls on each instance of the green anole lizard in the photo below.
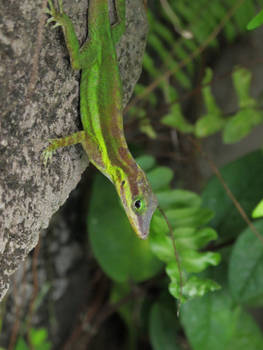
(101, 110)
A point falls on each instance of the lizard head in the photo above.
(138, 200)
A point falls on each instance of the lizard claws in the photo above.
(48, 151)
(46, 156)
(56, 25)
(51, 19)
(55, 14)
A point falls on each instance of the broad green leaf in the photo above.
(178, 199)
(246, 266)
(163, 332)
(39, 338)
(186, 217)
(146, 162)
(160, 178)
(214, 322)
(21, 344)
(120, 253)
(256, 21)
(258, 211)
(242, 177)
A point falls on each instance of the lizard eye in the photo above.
(138, 205)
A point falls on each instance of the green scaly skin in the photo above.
(101, 110)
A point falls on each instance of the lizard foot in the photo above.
(56, 15)
(46, 156)
(48, 152)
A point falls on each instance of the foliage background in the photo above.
(197, 106)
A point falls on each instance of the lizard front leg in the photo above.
(73, 139)
(61, 19)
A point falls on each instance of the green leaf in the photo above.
(189, 237)
(246, 266)
(242, 177)
(193, 261)
(209, 124)
(176, 120)
(192, 287)
(258, 211)
(183, 217)
(39, 339)
(242, 80)
(186, 217)
(120, 253)
(21, 344)
(161, 245)
(178, 199)
(160, 178)
(38, 336)
(146, 127)
(197, 286)
(213, 322)
(146, 162)
(256, 21)
(240, 125)
(163, 334)
(212, 121)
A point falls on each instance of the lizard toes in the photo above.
(56, 25)
(46, 156)
(51, 19)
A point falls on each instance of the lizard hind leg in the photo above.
(73, 139)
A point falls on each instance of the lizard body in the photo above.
(101, 110)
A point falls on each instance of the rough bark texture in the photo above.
(39, 100)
